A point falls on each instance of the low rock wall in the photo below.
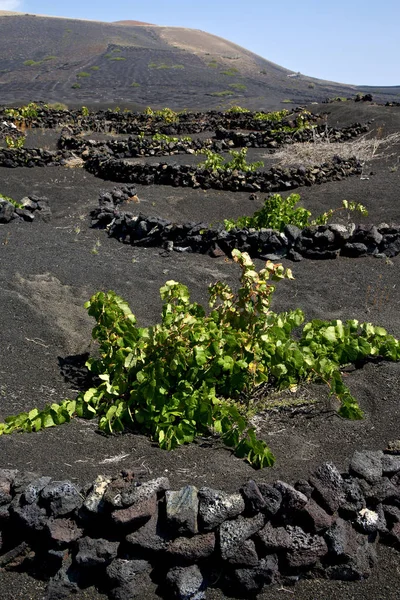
(224, 140)
(124, 533)
(134, 123)
(275, 179)
(32, 157)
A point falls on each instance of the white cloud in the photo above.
(11, 5)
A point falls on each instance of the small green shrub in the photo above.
(311, 86)
(238, 162)
(83, 74)
(287, 101)
(14, 142)
(166, 114)
(32, 63)
(94, 68)
(237, 109)
(223, 93)
(30, 111)
(161, 137)
(277, 212)
(50, 58)
(240, 87)
(76, 86)
(212, 64)
(117, 58)
(230, 72)
(85, 111)
(274, 116)
(134, 84)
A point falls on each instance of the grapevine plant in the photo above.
(277, 212)
(187, 375)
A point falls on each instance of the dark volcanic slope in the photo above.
(131, 64)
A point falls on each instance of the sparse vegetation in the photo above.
(14, 142)
(118, 58)
(94, 68)
(240, 87)
(274, 116)
(154, 65)
(230, 72)
(238, 109)
(76, 86)
(135, 84)
(32, 63)
(223, 93)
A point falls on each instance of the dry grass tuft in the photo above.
(322, 150)
(75, 162)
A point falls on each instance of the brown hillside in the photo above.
(134, 64)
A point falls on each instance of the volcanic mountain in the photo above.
(134, 64)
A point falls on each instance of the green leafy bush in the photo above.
(215, 161)
(32, 63)
(185, 376)
(83, 74)
(29, 111)
(237, 109)
(14, 142)
(274, 116)
(277, 212)
(166, 114)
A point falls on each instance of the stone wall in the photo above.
(224, 140)
(124, 533)
(274, 180)
(32, 157)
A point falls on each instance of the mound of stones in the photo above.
(29, 208)
(315, 242)
(124, 533)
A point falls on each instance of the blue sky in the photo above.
(349, 41)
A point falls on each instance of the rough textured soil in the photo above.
(48, 270)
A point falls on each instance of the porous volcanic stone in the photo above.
(61, 497)
(232, 533)
(95, 552)
(216, 506)
(367, 464)
(186, 583)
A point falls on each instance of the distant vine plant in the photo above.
(277, 212)
(186, 376)
(216, 162)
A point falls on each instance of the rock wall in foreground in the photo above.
(124, 533)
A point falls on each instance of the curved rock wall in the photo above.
(274, 180)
